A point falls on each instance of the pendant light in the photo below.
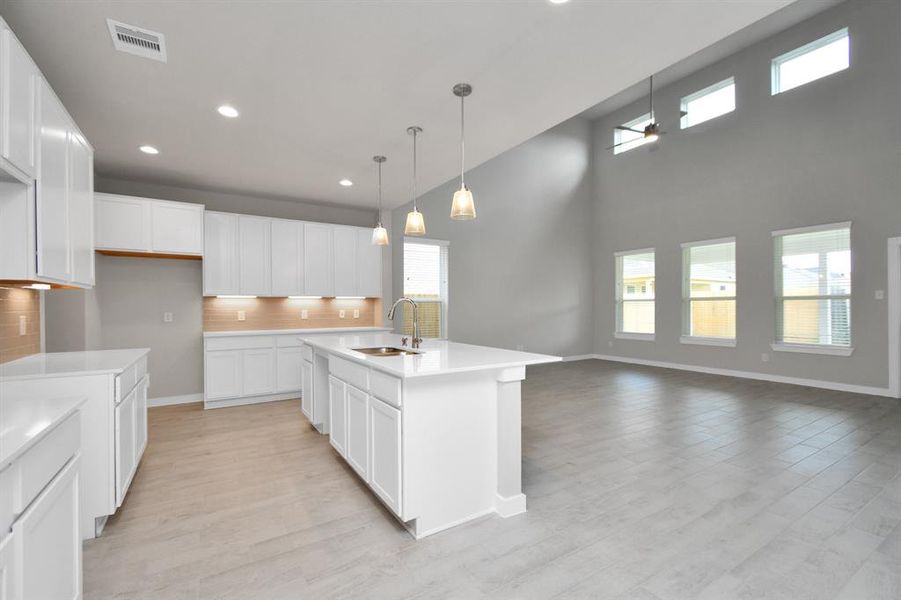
(415, 222)
(462, 208)
(379, 234)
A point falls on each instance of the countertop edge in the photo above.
(77, 402)
(142, 352)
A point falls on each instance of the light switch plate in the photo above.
(765, 357)
(304, 314)
(341, 314)
(242, 316)
(356, 313)
(167, 317)
(23, 325)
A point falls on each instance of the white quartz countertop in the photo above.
(438, 357)
(25, 421)
(59, 364)
(210, 334)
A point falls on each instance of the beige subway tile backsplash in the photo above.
(221, 314)
(15, 303)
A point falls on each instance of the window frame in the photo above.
(827, 349)
(444, 277)
(710, 89)
(686, 337)
(618, 300)
(776, 63)
(642, 122)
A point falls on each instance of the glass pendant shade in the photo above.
(463, 208)
(415, 223)
(379, 236)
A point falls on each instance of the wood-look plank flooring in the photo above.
(642, 483)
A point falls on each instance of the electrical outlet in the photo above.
(880, 294)
(610, 344)
(341, 314)
(242, 316)
(167, 317)
(356, 313)
(23, 325)
(765, 357)
(304, 314)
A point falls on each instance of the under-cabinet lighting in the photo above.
(235, 296)
(38, 286)
(350, 297)
(305, 297)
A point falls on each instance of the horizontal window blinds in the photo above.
(709, 290)
(635, 291)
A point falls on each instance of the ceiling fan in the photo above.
(651, 132)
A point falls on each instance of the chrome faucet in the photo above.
(416, 338)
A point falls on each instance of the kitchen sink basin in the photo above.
(386, 351)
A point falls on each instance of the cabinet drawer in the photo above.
(129, 378)
(288, 341)
(42, 462)
(245, 342)
(385, 387)
(355, 375)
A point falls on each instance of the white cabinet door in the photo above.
(19, 81)
(358, 431)
(222, 374)
(81, 209)
(126, 432)
(254, 257)
(318, 263)
(259, 371)
(9, 567)
(176, 227)
(289, 369)
(306, 403)
(337, 412)
(369, 265)
(287, 258)
(345, 252)
(220, 256)
(52, 190)
(47, 538)
(385, 453)
(121, 223)
(141, 419)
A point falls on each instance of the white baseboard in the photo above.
(208, 404)
(170, 400)
(816, 383)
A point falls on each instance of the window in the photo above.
(709, 103)
(425, 281)
(631, 139)
(813, 288)
(708, 292)
(635, 294)
(822, 57)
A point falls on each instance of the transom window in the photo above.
(631, 139)
(635, 292)
(825, 56)
(813, 286)
(709, 290)
(709, 103)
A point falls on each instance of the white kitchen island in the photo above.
(436, 435)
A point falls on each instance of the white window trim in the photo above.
(419, 240)
(812, 349)
(640, 251)
(809, 47)
(812, 228)
(683, 104)
(642, 337)
(708, 341)
(445, 284)
(722, 240)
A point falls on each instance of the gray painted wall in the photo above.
(521, 273)
(825, 152)
(125, 308)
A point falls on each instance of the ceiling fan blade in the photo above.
(624, 128)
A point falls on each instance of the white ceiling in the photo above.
(324, 85)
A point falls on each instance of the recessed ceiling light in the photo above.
(558, 1)
(346, 182)
(228, 111)
(149, 150)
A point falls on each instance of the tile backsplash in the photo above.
(223, 314)
(16, 303)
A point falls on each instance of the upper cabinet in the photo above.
(259, 256)
(46, 179)
(130, 225)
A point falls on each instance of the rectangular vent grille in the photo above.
(137, 41)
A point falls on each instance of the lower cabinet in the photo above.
(258, 366)
(356, 408)
(306, 403)
(385, 453)
(131, 436)
(8, 567)
(252, 367)
(289, 369)
(222, 374)
(337, 414)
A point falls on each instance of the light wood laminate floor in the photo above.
(642, 483)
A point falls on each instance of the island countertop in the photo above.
(437, 357)
(26, 421)
(59, 364)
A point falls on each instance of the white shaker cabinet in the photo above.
(8, 566)
(344, 248)
(148, 226)
(222, 374)
(289, 369)
(122, 223)
(357, 444)
(385, 452)
(81, 210)
(287, 258)
(369, 266)
(259, 371)
(176, 228)
(19, 88)
(318, 261)
(337, 414)
(306, 403)
(220, 255)
(53, 235)
(254, 258)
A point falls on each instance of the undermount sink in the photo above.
(386, 351)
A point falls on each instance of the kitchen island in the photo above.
(435, 432)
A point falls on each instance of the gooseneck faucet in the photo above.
(416, 338)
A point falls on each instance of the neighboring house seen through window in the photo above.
(635, 293)
(709, 290)
(425, 281)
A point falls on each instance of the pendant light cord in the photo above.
(462, 145)
(380, 194)
(651, 98)
(414, 170)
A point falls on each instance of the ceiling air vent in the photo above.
(134, 40)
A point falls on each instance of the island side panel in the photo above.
(510, 499)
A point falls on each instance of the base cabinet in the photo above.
(356, 403)
(306, 403)
(289, 371)
(337, 413)
(385, 453)
(8, 567)
(242, 369)
(126, 415)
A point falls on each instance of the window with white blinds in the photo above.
(709, 290)
(635, 291)
(813, 286)
(425, 281)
